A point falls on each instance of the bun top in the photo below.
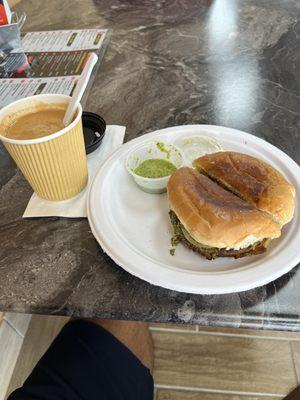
(215, 217)
(253, 180)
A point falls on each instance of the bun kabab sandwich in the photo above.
(229, 205)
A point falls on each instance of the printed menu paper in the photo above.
(71, 40)
(52, 62)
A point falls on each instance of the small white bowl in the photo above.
(196, 146)
(145, 151)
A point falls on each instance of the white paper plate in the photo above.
(133, 227)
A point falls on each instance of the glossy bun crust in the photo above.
(252, 180)
(213, 216)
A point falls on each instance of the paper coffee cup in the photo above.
(55, 165)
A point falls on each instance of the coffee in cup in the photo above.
(51, 156)
(40, 121)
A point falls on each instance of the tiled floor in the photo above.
(196, 363)
(41, 332)
(190, 395)
(229, 364)
(11, 339)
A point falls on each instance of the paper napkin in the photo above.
(76, 207)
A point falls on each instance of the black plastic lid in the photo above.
(93, 130)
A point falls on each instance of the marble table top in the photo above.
(226, 62)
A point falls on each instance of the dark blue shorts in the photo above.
(86, 362)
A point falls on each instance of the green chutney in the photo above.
(155, 168)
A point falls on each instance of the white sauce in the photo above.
(248, 241)
(197, 146)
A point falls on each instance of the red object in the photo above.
(4, 20)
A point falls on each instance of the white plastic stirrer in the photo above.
(80, 88)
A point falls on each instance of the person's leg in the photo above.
(294, 395)
(134, 335)
(93, 360)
